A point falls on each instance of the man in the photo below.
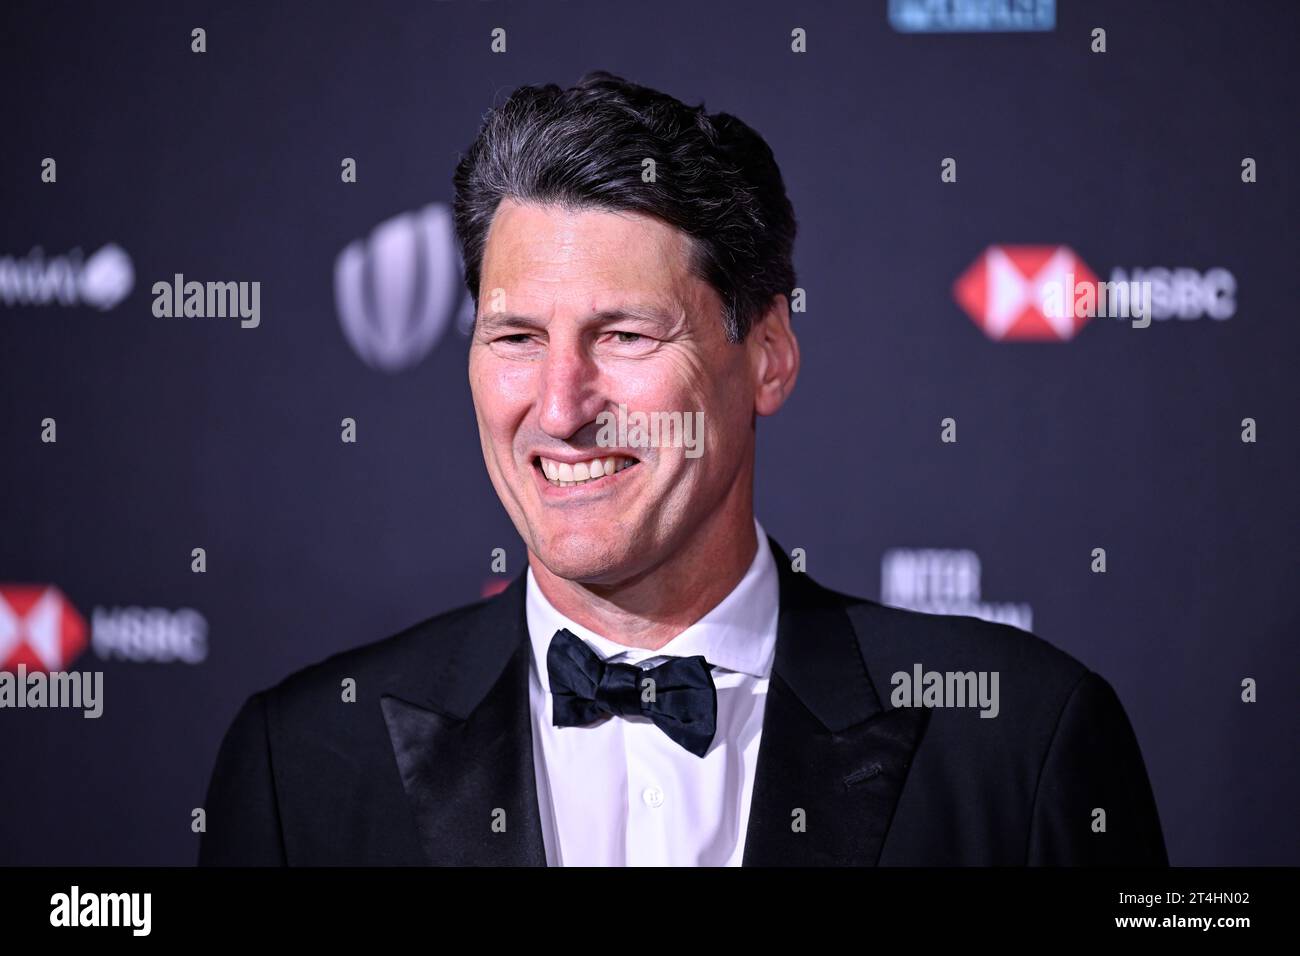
(663, 685)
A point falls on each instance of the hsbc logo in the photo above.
(1185, 293)
(39, 628)
(1048, 293)
(397, 290)
(1004, 290)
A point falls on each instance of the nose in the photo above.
(569, 396)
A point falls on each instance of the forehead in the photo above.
(544, 255)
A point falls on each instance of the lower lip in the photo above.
(584, 491)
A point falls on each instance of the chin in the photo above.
(586, 558)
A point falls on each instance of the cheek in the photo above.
(728, 413)
(502, 391)
(637, 384)
(674, 381)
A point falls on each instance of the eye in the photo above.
(518, 338)
(621, 342)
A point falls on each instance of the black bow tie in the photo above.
(678, 695)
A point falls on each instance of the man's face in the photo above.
(579, 312)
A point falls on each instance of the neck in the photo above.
(651, 608)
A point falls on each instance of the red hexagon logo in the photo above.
(39, 627)
(1025, 292)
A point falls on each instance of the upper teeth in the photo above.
(564, 473)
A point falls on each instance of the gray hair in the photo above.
(717, 181)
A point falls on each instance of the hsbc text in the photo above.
(1185, 293)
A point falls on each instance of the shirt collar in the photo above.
(739, 634)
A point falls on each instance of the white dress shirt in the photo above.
(621, 792)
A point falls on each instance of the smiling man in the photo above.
(664, 685)
(603, 308)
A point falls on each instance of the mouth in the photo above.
(590, 471)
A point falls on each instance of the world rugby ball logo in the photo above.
(397, 290)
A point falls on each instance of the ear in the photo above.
(774, 357)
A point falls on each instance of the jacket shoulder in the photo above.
(382, 662)
(1021, 788)
(905, 636)
(1034, 678)
(313, 734)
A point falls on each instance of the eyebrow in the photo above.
(490, 321)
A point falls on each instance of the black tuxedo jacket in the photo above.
(438, 746)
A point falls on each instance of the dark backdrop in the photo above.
(177, 433)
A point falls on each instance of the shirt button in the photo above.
(653, 796)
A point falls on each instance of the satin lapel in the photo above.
(469, 779)
(832, 761)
